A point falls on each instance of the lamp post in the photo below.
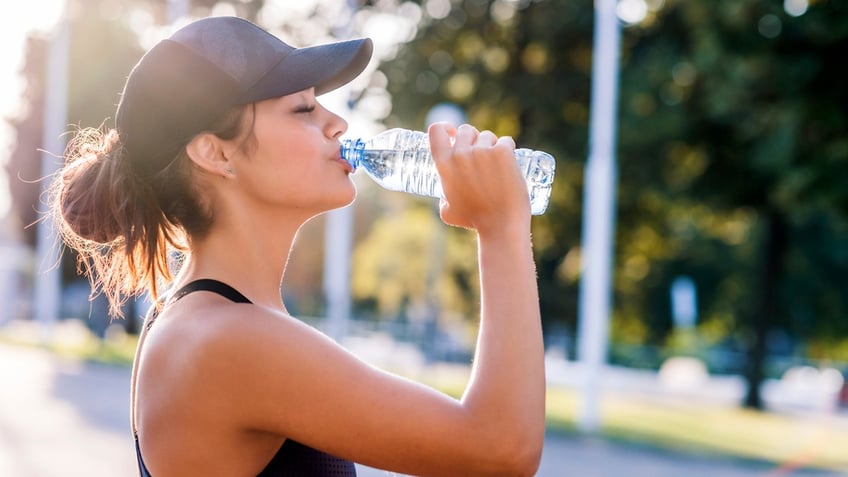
(598, 214)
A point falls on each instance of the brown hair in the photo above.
(125, 226)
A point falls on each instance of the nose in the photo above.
(336, 126)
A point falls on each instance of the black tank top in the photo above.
(293, 459)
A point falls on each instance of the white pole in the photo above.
(338, 246)
(598, 214)
(47, 289)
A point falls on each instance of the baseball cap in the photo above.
(182, 85)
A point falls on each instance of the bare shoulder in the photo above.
(267, 372)
(224, 340)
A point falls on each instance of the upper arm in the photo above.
(288, 378)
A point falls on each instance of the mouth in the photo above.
(348, 168)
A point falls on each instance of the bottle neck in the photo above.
(351, 151)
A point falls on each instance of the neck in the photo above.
(247, 254)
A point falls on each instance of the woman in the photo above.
(222, 150)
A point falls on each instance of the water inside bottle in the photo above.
(538, 169)
(411, 170)
(400, 160)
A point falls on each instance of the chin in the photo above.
(347, 202)
(343, 198)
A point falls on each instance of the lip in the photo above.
(348, 168)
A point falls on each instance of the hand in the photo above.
(480, 177)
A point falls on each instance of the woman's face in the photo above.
(292, 158)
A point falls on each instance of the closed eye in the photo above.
(305, 109)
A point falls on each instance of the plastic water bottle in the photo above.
(400, 160)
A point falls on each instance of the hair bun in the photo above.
(93, 189)
(83, 201)
(80, 197)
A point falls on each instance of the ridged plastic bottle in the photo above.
(399, 159)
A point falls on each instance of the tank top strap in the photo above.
(210, 285)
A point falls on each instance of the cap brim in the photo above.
(324, 67)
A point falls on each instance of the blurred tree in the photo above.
(408, 259)
(737, 107)
(732, 133)
(24, 163)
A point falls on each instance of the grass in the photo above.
(789, 442)
(72, 340)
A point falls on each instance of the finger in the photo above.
(507, 142)
(440, 139)
(466, 135)
(505, 150)
(486, 138)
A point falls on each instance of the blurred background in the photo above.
(716, 341)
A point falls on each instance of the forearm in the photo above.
(508, 379)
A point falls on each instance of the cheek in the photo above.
(297, 165)
(285, 172)
(290, 167)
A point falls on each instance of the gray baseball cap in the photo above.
(182, 85)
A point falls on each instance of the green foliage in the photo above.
(408, 260)
(731, 107)
(732, 125)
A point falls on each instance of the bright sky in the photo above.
(14, 25)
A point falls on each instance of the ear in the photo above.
(205, 152)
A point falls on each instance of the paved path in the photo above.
(66, 419)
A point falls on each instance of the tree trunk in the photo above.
(771, 268)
